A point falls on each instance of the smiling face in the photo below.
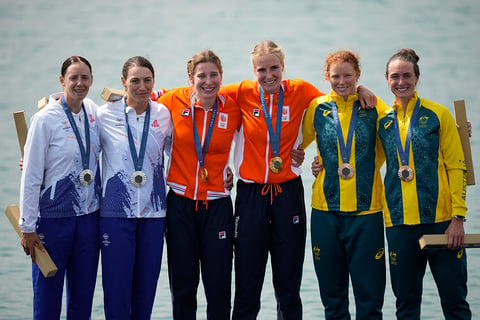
(402, 80)
(76, 82)
(139, 85)
(343, 79)
(268, 70)
(206, 80)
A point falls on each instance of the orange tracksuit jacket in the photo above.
(183, 167)
(252, 147)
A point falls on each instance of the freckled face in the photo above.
(343, 79)
(268, 71)
(401, 79)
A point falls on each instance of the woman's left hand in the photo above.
(228, 183)
(456, 234)
(298, 155)
(469, 128)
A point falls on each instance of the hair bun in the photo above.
(411, 52)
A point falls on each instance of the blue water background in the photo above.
(36, 36)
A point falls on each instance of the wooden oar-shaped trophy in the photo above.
(470, 240)
(42, 258)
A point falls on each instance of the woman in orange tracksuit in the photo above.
(270, 206)
(199, 229)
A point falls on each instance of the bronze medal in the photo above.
(138, 179)
(86, 177)
(345, 171)
(276, 164)
(405, 173)
(203, 174)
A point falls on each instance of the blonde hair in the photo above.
(267, 47)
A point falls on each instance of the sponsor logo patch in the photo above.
(380, 253)
(186, 112)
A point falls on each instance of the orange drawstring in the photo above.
(274, 187)
(205, 203)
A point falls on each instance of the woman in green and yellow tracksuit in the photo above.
(425, 190)
(346, 224)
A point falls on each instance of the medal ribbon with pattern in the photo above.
(405, 173)
(138, 160)
(276, 164)
(84, 151)
(345, 150)
(196, 138)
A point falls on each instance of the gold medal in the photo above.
(203, 174)
(138, 179)
(276, 164)
(86, 177)
(345, 171)
(405, 173)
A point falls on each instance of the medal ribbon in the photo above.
(84, 151)
(274, 136)
(138, 160)
(403, 153)
(196, 137)
(345, 150)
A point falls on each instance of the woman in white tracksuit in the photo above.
(133, 132)
(59, 195)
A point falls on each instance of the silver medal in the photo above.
(138, 179)
(86, 177)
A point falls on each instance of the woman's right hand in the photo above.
(29, 242)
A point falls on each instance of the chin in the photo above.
(271, 90)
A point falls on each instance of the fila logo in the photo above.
(155, 124)
(222, 235)
(256, 112)
(186, 112)
(296, 220)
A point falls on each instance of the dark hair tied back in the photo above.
(138, 61)
(73, 59)
(409, 55)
